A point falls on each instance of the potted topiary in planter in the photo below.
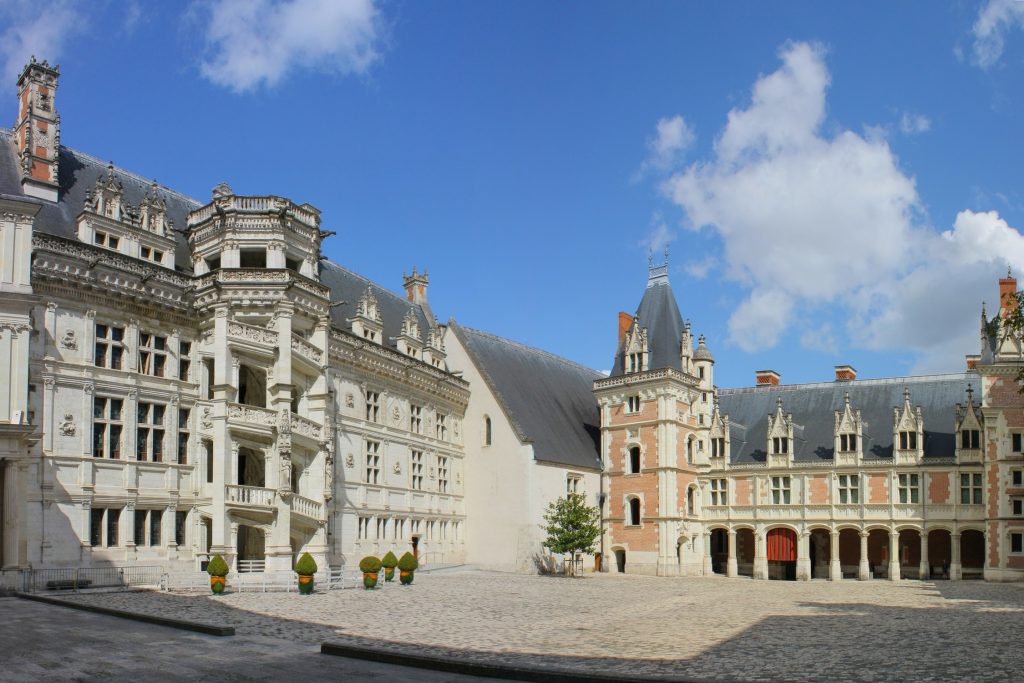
(370, 567)
(217, 568)
(389, 562)
(305, 568)
(406, 566)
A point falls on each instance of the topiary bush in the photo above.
(369, 565)
(389, 560)
(408, 563)
(217, 566)
(306, 566)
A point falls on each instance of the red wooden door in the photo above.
(782, 545)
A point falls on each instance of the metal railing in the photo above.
(331, 578)
(78, 578)
(251, 566)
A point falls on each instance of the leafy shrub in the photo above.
(389, 560)
(217, 566)
(369, 565)
(306, 566)
(408, 563)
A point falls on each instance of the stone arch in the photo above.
(908, 548)
(719, 548)
(619, 552)
(940, 552)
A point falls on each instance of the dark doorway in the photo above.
(620, 560)
(781, 554)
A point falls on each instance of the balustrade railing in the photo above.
(305, 427)
(306, 507)
(249, 495)
(241, 412)
(252, 333)
(304, 348)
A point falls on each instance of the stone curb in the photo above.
(198, 627)
(491, 669)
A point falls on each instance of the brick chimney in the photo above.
(972, 361)
(37, 130)
(767, 377)
(845, 373)
(625, 321)
(416, 292)
(1007, 293)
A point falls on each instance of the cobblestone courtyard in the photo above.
(706, 629)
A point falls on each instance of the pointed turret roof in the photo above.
(659, 313)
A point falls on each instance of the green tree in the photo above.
(1012, 324)
(572, 527)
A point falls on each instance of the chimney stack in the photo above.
(625, 321)
(845, 373)
(767, 377)
(416, 292)
(37, 131)
(972, 361)
(1007, 294)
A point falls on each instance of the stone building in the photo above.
(884, 478)
(184, 378)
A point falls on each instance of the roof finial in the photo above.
(778, 403)
(846, 398)
(970, 395)
(650, 258)
(906, 394)
(1009, 270)
(666, 254)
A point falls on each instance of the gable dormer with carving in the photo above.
(108, 220)
(780, 437)
(718, 438)
(635, 351)
(434, 353)
(367, 322)
(849, 430)
(908, 432)
(970, 428)
(409, 341)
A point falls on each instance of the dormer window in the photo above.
(908, 441)
(635, 362)
(847, 443)
(780, 445)
(102, 239)
(970, 438)
(718, 447)
(370, 335)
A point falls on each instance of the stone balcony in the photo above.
(307, 508)
(251, 418)
(249, 497)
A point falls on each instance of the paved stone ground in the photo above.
(48, 643)
(695, 628)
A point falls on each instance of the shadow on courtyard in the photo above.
(972, 635)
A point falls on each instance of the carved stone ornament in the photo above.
(455, 428)
(396, 415)
(67, 427)
(69, 341)
(350, 461)
(350, 401)
(397, 468)
(207, 419)
(430, 473)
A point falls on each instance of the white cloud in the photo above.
(995, 20)
(911, 124)
(258, 42)
(823, 227)
(665, 149)
(700, 269)
(659, 237)
(36, 28)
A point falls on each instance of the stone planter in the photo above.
(405, 577)
(306, 584)
(217, 584)
(370, 580)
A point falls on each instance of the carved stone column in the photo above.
(731, 569)
(955, 572)
(894, 555)
(864, 568)
(924, 568)
(835, 572)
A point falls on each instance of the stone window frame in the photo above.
(363, 528)
(153, 354)
(104, 422)
(415, 418)
(150, 432)
(150, 520)
(442, 474)
(488, 431)
(1017, 507)
(627, 508)
(848, 442)
(372, 406)
(848, 484)
(573, 483)
(109, 346)
(632, 405)
(416, 469)
(441, 426)
(1017, 477)
(184, 435)
(106, 523)
(970, 439)
(973, 486)
(718, 492)
(781, 488)
(1017, 537)
(908, 487)
(780, 445)
(907, 440)
(627, 454)
(372, 460)
(1017, 442)
(718, 447)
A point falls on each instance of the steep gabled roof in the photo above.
(813, 408)
(659, 313)
(548, 400)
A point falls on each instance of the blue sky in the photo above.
(836, 183)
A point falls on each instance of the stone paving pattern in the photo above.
(693, 628)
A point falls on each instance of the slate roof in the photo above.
(813, 408)
(77, 175)
(548, 400)
(659, 313)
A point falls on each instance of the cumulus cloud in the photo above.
(659, 237)
(995, 20)
(699, 269)
(665, 149)
(808, 218)
(912, 124)
(253, 43)
(36, 28)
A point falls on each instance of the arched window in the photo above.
(634, 460)
(633, 518)
(689, 501)
(689, 451)
(487, 430)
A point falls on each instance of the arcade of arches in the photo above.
(845, 553)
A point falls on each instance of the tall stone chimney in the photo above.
(37, 131)
(1007, 294)
(845, 373)
(625, 322)
(416, 291)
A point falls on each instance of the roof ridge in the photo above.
(874, 381)
(534, 349)
(132, 174)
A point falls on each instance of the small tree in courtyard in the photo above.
(572, 527)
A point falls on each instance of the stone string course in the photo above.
(691, 628)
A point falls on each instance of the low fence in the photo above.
(79, 578)
(331, 578)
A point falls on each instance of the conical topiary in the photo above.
(407, 565)
(306, 566)
(389, 562)
(217, 566)
(369, 565)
